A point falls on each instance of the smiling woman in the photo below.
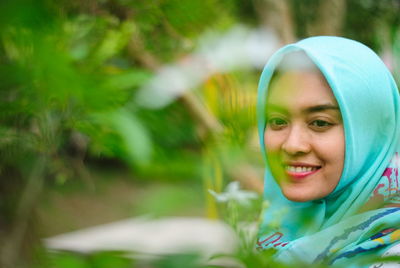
(304, 135)
(328, 118)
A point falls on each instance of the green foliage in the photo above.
(170, 127)
(67, 261)
(119, 260)
(364, 19)
(371, 18)
(121, 135)
(179, 260)
(61, 81)
(167, 200)
(96, 260)
(190, 17)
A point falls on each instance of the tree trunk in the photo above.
(330, 18)
(278, 16)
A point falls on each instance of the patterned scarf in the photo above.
(361, 216)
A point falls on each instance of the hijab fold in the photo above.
(362, 215)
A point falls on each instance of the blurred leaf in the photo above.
(177, 124)
(134, 135)
(114, 40)
(127, 80)
(167, 200)
(182, 260)
(110, 260)
(68, 260)
(30, 13)
(189, 17)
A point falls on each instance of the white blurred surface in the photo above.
(393, 251)
(151, 236)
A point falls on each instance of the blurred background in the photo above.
(116, 109)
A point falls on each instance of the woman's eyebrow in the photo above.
(312, 109)
(274, 107)
(322, 107)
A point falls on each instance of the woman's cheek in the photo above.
(271, 141)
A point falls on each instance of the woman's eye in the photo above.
(277, 123)
(320, 124)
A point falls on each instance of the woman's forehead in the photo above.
(305, 87)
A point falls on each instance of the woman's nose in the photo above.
(296, 141)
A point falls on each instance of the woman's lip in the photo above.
(298, 175)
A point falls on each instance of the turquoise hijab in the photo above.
(361, 216)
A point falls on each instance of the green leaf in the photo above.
(66, 260)
(134, 135)
(127, 80)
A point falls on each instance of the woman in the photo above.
(329, 125)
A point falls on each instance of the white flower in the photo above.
(233, 193)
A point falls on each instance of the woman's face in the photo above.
(304, 136)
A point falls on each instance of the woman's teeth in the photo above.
(300, 169)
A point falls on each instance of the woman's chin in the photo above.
(299, 196)
(299, 199)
